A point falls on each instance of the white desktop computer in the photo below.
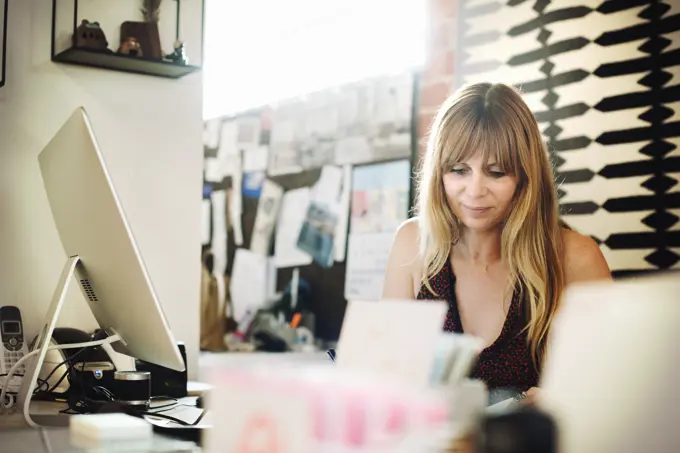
(101, 256)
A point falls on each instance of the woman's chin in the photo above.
(480, 224)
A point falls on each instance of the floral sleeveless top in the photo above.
(507, 363)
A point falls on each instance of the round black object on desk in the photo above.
(522, 430)
(132, 388)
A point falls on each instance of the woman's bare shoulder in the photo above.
(406, 244)
(402, 263)
(583, 259)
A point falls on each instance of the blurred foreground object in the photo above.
(523, 430)
(612, 375)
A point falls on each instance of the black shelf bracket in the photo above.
(3, 71)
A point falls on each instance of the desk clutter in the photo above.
(396, 383)
(92, 379)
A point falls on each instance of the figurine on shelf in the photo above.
(89, 35)
(179, 55)
(130, 47)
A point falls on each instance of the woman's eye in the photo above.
(496, 173)
(458, 171)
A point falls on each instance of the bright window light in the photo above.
(263, 51)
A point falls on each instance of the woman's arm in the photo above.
(402, 263)
(583, 259)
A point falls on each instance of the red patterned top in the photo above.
(507, 363)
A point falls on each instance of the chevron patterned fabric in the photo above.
(603, 80)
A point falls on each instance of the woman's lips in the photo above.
(476, 211)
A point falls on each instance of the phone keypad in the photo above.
(12, 357)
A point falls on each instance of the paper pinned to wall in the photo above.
(380, 202)
(248, 283)
(236, 208)
(340, 243)
(255, 159)
(291, 217)
(249, 129)
(211, 133)
(366, 263)
(219, 240)
(206, 208)
(228, 139)
(318, 231)
(265, 218)
(212, 169)
(329, 185)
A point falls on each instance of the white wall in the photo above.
(150, 132)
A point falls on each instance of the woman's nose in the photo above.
(477, 186)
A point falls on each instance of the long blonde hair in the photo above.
(493, 119)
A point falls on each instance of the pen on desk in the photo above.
(331, 354)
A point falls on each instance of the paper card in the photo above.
(248, 283)
(265, 218)
(255, 159)
(340, 243)
(258, 420)
(392, 338)
(236, 208)
(211, 133)
(228, 139)
(206, 209)
(291, 217)
(366, 263)
(328, 187)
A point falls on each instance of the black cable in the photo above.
(54, 370)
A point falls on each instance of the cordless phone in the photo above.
(13, 345)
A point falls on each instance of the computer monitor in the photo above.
(102, 253)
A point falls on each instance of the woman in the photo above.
(488, 237)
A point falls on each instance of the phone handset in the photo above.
(14, 346)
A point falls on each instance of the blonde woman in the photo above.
(488, 237)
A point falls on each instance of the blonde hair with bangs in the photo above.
(494, 119)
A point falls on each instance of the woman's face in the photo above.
(479, 194)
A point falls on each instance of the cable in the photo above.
(16, 366)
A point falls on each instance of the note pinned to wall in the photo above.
(206, 209)
(219, 239)
(211, 133)
(380, 203)
(228, 139)
(340, 243)
(265, 218)
(248, 283)
(292, 214)
(255, 159)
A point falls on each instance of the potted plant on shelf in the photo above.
(146, 32)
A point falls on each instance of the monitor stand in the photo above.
(34, 364)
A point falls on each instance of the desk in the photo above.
(57, 440)
(46, 413)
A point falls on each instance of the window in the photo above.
(263, 51)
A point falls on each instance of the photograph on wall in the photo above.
(380, 203)
(318, 232)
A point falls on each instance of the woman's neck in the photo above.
(481, 248)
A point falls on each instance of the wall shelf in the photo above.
(116, 62)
